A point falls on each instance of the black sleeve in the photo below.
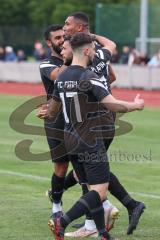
(103, 54)
(90, 81)
(55, 94)
(46, 67)
(98, 89)
(101, 61)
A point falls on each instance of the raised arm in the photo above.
(121, 106)
(112, 76)
(105, 43)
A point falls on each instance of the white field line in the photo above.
(39, 178)
(24, 175)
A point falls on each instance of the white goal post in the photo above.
(153, 45)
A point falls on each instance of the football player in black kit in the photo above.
(79, 22)
(70, 90)
(49, 69)
(115, 187)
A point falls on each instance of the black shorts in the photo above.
(55, 138)
(107, 143)
(91, 168)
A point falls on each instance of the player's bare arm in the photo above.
(106, 43)
(117, 105)
(56, 72)
(112, 76)
(49, 110)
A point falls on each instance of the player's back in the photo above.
(80, 106)
(67, 85)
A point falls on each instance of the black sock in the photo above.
(85, 191)
(89, 202)
(69, 180)
(118, 191)
(57, 184)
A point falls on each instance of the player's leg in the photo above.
(90, 202)
(69, 181)
(57, 187)
(89, 229)
(97, 171)
(60, 161)
(134, 208)
(116, 188)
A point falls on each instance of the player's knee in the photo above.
(103, 194)
(101, 189)
(60, 169)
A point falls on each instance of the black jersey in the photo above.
(46, 67)
(80, 92)
(100, 65)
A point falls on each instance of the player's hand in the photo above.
(43, 111)
(43, 106)
(139, 102)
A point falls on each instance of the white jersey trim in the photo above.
(101, 54)
(98, 83)
(47, 65)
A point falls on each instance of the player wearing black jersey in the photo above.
(115, 187)
(76, 125)
(79, 22)
(49, 69)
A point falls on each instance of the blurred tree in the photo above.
(42, 13)
(23, 21)
(14, 12)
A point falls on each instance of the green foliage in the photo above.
(41, 13)
(14, 12)
(22, 22)
(121, 22)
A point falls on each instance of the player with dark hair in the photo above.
(73, 24)
(89, 228)
(115, 187)
(76, 22)
(69, 88)
(49, 69)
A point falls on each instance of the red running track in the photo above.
(152, 98)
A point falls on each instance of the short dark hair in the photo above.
(51, 28)
(67, 38)
(81, 16)
(80, 39)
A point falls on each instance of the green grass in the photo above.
(24, 209)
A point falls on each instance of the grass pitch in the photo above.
(24, 209)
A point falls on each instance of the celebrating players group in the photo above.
(79, 120)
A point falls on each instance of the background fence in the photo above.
(127, 77)
(21, 37)
(121, 23)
